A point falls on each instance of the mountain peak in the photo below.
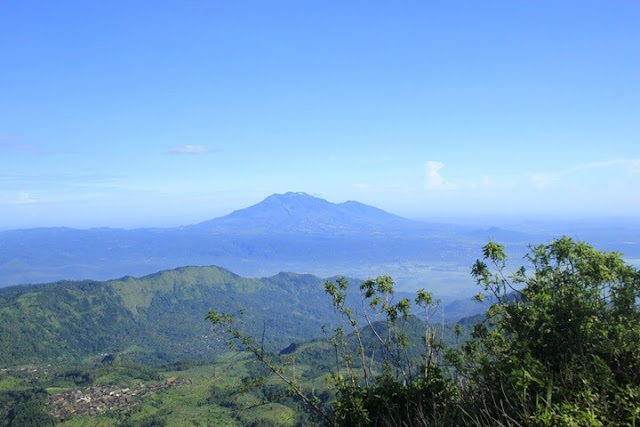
(291, 195)
(298, 212)
(292, 198)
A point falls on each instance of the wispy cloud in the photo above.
(190, 149)
(542, 180)
(23, 199)
(633, 164)
(80, 179)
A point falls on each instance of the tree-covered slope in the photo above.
(161, 315)
(65, 320)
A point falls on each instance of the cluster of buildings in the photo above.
(96, 400)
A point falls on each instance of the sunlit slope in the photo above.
(161, 316)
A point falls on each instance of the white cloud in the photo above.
(190, 149)
(433, 179)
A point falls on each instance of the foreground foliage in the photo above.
(559, 346)
(388, 373)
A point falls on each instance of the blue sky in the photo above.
(159, 113)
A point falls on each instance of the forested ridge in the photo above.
(159, 317)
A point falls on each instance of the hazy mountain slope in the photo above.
(300, 213)
(285, 232)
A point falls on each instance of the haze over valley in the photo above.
(293, 232)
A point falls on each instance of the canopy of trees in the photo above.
(559, 346)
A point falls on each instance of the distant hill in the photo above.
(160, 316)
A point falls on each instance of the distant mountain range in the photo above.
(285, 232)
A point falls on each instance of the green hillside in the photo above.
(159, 317)
(64, 321)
